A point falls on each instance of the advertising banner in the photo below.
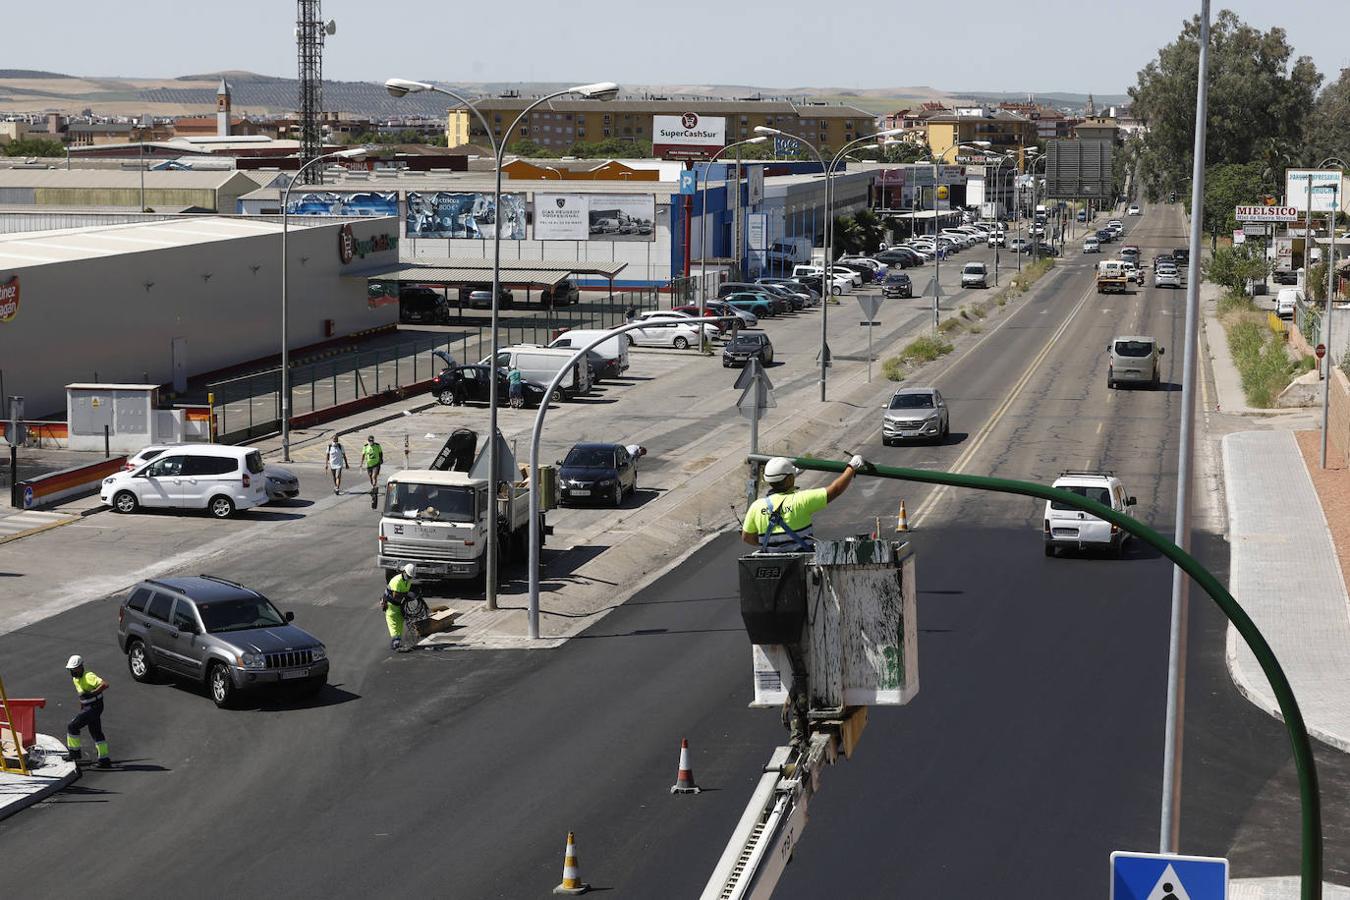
(688, 136)
(755, 185)
(9, 299)
(1266, 213)
(445, 214)
(561, 217)
(757, 231)
(892, 178)
(1325, 189)
(622, 217)
(343, 203)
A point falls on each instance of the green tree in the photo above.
(870, 230)
(847, 237)
(1329, 128)
(529, 149)
(1232, 184)
(1257, 92)
(1234, 266)
(34, 147)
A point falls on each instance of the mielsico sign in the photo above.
(1266, 213)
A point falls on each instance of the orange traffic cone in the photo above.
(902, 520)
(684, 781)
(571, 882)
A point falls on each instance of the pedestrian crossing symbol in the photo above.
(1152, 876)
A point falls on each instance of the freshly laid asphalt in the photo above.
(1032, 750)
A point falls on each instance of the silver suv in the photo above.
(218, 632)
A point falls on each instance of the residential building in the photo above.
(12, 131)
(457, 127)
(1003, 130)
(1096, 128)
(559, 124)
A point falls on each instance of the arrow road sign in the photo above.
(933, 288)
(827, 355)
(1154, 876)
(870, 304)
(755, 399)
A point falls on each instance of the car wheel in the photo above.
(1049, 549)
(631, 342)
(125, 502)
(221, 687)
(556, 396)
(836, 290)
(616, 496)
(681, 342)
(221, 507)
(446, 398)
(138, 662)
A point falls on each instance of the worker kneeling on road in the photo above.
(90, 688)
(781, 521)
(398, 590)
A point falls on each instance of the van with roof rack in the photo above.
(1069, 528)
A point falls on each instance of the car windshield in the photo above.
(239, 614)
(1134, 348)
(975, 268)
(912, 401)
(744, 339)
(445, 503)
(590, 458)
(1099, 494)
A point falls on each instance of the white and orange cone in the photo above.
(902, 520)
(684, 781)
(571, 880)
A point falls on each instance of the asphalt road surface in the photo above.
(1032, 750)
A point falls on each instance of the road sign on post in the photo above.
(756, 396)
(870, 305)
(1162, 876)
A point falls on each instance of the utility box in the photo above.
(852, 608)
(126, 413)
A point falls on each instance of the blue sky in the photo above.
(1064, 45)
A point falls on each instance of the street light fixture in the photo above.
(826, 283)
(352, 153)
(703, 232)
(401, 87)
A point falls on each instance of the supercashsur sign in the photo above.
(688, 135)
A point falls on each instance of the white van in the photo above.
(1287, 301)
(540, 364)
(218, 478)
(615, 348)
(1069, 528)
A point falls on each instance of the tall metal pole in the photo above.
(1326, 332)
(937, 247)
(142, 146)
(1169, 832)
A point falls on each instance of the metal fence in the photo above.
(250, 406)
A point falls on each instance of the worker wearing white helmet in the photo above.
(90, 688)
(392, 603)
(781, 521)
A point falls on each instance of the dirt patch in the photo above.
(1333, 489)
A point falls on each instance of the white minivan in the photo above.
(540, 364)
(215, 477)
(615, 348)
(1287, 301)
(1069, 528)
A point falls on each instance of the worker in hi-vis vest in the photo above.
(400, 586)
(91, 689)
(781, 521)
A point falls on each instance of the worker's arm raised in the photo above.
(840, 484)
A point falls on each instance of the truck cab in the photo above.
(1112, 276)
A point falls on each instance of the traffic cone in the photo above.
(684, 781)
(902, 520)
(571, 881)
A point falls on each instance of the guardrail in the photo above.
(34, 493)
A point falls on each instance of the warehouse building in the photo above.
(208, 191)
(160, 302)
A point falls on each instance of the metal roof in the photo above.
(87, 179)
(703, 106)
(441, 275)
(72, 244)
(476, 182)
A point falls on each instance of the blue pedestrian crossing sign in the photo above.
(1154, 876)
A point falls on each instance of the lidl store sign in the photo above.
(9, 299)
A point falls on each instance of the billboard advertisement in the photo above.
(688, 136)
(1267, 213)
(754, 185)
(446, 214)
(343, 203)
(1324, 185)
(594, 217)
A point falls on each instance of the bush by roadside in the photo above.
(1259, 352)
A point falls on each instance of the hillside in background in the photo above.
(24, 91)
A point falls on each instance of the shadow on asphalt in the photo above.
(295, 503)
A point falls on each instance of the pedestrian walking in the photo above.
(372, 456)
(337, 461)
(515, 386)
(630, 314)
(91, 689)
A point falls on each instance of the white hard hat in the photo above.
(409, 570)
(779, 468)
(74, 663)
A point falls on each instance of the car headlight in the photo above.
(252, 660)
(109, 479)
(318, 653)
(604, 482)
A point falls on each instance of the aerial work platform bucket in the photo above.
(847, 612)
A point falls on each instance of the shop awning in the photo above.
(457, 275)
(450, 270)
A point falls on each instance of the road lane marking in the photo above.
(934, 500)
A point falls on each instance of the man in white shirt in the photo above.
(337, 461)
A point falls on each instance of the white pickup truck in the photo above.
(438, 521)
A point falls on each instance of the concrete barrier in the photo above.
(65, 484)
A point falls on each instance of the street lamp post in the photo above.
(703, 230)
(399, 87)
(826, 282)
(353, 153)
(1331, 295)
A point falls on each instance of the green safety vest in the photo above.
(400, 584)
(86, 684)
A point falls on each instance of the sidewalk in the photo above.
(20, 523)
(1286, 574)
(55, 774)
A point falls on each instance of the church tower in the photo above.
(223, 109)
